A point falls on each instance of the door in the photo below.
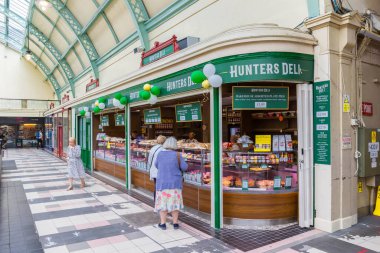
(84, 132)
(305, 154)
(60, 141)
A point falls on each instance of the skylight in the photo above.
(13, 16)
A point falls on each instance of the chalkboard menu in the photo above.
(260, 98)
(119, 119)
(188, 112)
(152, 116)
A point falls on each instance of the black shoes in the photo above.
(162, 226)
(176, 226)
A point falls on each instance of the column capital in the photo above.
(351, 19)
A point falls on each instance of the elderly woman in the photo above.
(75, 165)
(170, 165)
(153, 153)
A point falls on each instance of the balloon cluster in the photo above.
(119, 100)
(100, 104)
(85, 112)
(150, 93)
(207, 77)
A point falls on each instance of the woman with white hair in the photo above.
(75, 166)
(170, 165)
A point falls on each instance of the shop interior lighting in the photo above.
(44, 5)
(28, 55)
(30, 124)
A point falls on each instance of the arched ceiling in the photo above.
(68, 37)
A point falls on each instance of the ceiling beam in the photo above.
(46, 72)
(139, 15)
(100, 11)
(77, 28)
(55, 52)
(6, 3)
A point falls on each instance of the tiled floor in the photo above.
(101, 218)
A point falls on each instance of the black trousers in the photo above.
(39, 143)
(154, 196)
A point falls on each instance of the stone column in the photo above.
(336, 184)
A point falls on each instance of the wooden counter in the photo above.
(113, 169)
(241, 205)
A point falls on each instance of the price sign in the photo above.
(188, 112)
(119, 119)
(152, 116)
(105, 121)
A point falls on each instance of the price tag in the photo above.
(260, 104)
(288, 182)
(244, 166)
(277, 183)
(245, 185)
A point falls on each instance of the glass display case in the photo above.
(197, 155)
(110, 148)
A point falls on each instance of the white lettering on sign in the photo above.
(260, 104)
(373, 164)
(180, 83)
(322, 88)
(322, 114)
(346, 142)
(373, 147)
(134, 95)
(265, 69)
(322, 127)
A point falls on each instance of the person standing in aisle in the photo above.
(75, 165)
(170, 165)
(39, 138)
(153, 153)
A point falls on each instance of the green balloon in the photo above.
(155, 90)
(96, 109)
(102, 100)
(141, 92)
(82, 112)
(123, 100)
(118, 96)
(198, 76)
(145, 95)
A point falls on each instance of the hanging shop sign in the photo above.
(367, 109)
(188, 112)
(92, 85)
(104, 120)
(322, 131)
(260, 98)
(119, 119)
(152, 116)
(159, 51)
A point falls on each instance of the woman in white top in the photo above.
(152, 159)
(74, 164)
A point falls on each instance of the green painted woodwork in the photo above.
(139, 16)
(127, 136)
(84, 140)
(216, 163)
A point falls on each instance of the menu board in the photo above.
(188, 112)
(322, 142)
(119, 119)
(263, 143)
(260, 98)
(152, 116)
(104, 120)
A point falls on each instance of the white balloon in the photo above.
(85, 109)
(102, 106)
(121, 106)
(88, 114)
(152, 99)
(115, 102)
(209, 70)
(215, 81)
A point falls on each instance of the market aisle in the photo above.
(96, 219)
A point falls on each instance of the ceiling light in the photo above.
(28, 55)
(44, 4)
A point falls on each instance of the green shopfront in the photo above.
(249, 163)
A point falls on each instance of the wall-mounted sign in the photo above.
(322, 131)
(92, 84)
(159, 51)
(188, 112)
(104, 120)
(346, 142)
(119, 119)
(367, 109)
(260, 98)
(346, 103)
(152, 116)
(65, 98)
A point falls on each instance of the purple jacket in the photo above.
(169, 171)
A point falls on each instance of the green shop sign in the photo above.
(322, 131)
(188, 112)
(152, 116)
(260, 98)
(104, 120)
(158, 55)
(119, 119)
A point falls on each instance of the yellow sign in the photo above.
(360, 186)
(263, 143)
(373, 136)
(377, 208)
(346, 103)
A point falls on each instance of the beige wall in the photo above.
(20, 79)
